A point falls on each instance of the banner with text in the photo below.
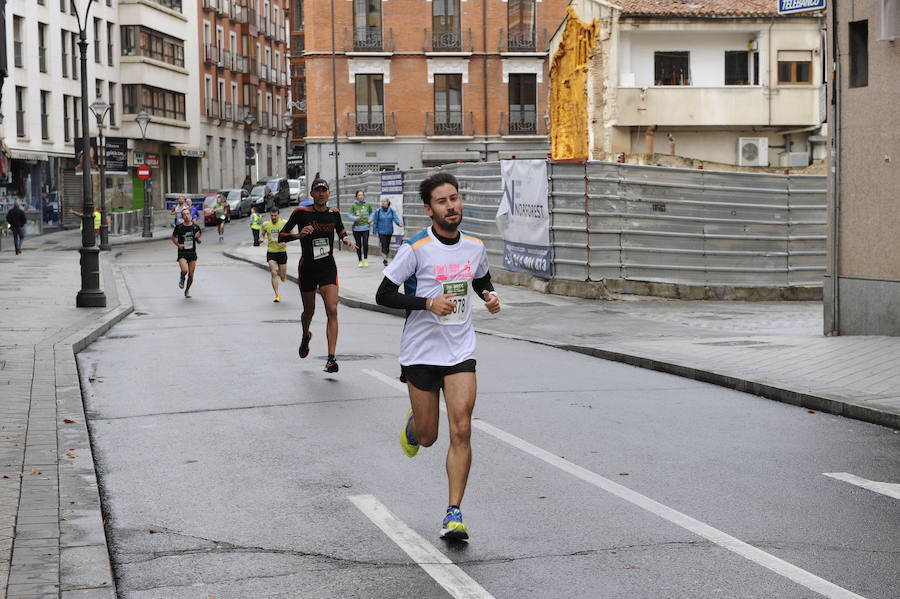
(392, 190)
(523, 217)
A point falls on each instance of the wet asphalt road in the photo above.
(227, 464)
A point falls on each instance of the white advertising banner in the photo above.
(523, 217)
(392, 190)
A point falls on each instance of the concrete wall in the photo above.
(868, 220)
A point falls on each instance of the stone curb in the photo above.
(830, 404)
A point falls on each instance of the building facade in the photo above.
(724, 81)
(862, 286)
(425, 83)
(244, 90)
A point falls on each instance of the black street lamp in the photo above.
(143, 119)
(249, 119)
(90, 295)
(287, 118)
(100, 108)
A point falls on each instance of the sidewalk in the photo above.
(52, 540)
(772, 349)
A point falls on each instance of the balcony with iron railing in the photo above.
(213, 109)
(523, 123)
(449, 40)
(239, 64)
(449, 123)
(239, 14)
(263, 71)
(228, 111)
(368, 39)
(282, 79)
(211, 54)
(265, 119)
(264, 26)
(225, 58)
(210, 5)
(252, 67)
(371, 124)
(225, 8)
(280, 35)
(519, 40)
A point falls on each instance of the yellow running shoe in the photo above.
(277, 298)
(409, 445)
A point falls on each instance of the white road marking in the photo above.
(758, 556)
(436, 564)
(889, 489)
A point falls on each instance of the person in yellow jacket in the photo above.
(97, 215)
(255, 225)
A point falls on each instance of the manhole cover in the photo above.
(350, 357)
(281, 321)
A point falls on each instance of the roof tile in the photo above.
(699, 8)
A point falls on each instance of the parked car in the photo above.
(261, 197)
(238, 200)
(209, 208)
(298, 189)
(280, 189)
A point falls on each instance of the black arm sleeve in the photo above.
(483, 284)
(389, 295)
(284, 236)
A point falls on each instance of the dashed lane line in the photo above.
(720, 538)
(447, 574)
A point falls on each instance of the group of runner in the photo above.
(440, 269)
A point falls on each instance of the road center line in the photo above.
(758, 556)
(436, 564)
(889, 489)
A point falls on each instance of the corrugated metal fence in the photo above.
(637, 223)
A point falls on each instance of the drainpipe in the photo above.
(484, 75)
(836, 169)
(769, 70)
(649, 138)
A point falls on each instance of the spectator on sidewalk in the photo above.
(255, 225)
(383, 221)
(97, 217)
(17, 220)
(359, 213)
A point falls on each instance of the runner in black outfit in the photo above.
(317, 270)
(185, 236)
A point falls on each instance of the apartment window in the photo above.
(109, 2)
(42, 47)
(76, 116)
(142, 41)
(20, 111)
(112, 104)
(672, 68)
(62, 5)
(446, 24)
(520, 17)
(72, 38)
(298, 15)
(448, 104)
(64, 48)
(98, 88)
(367, 25)
(794, 67)
(173, 4)
(42, 2)
(18, 59)
(737, 68)
(45, 115)
(66, 135)
(859, 54)
(522, 104)
(370, 104)
(97, 29)
(890, 19)
(109, 44)
(156, 101)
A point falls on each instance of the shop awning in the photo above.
(26, 155)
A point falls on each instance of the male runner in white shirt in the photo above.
(440, 267)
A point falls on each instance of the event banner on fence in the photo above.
(392, 190)
(523, 217)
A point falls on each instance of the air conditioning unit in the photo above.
(795, 159)
(753, 151)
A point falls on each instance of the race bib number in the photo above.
(321, 248)
(460, 290)
(188, 241)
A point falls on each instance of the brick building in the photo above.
(426, 83)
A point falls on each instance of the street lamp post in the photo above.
(143, 119)
(287, 118)
(100, 108)
(249, 119)
(90, 295)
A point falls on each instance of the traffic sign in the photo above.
(144, 172)
(788, 7)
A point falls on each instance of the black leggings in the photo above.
(385, 243)
(362, 244)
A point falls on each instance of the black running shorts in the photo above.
(431, 378)
(279, 257)
(317, 274)
(189, 255)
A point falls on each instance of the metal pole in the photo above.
(90, 295)
(836, 178)
(337, 173)
(148, 208)
(101, 158)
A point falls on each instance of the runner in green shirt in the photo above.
(276, 252)
(222, 212)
